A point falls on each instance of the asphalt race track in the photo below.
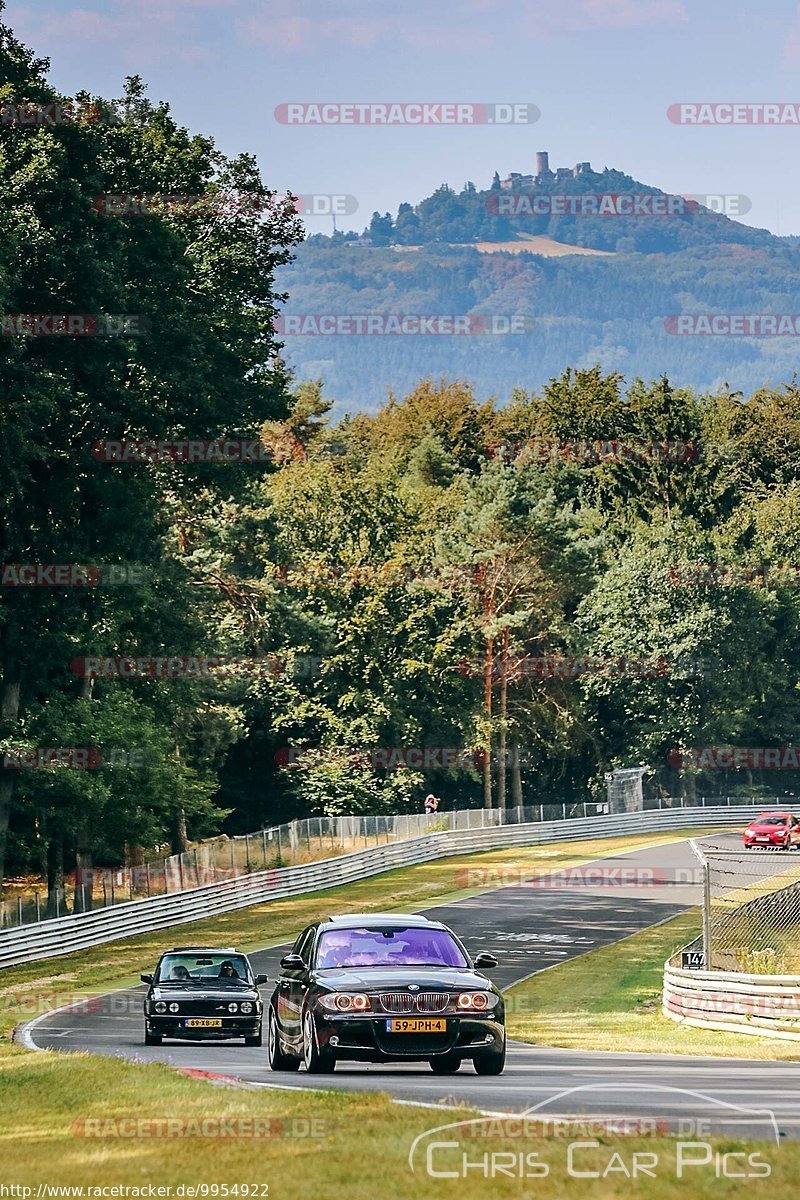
(530, 928)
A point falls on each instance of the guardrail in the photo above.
(764, 1005)
(80, 931)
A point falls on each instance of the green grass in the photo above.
(610, 999)
(363, 1141)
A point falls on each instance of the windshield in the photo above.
(395, 947)
(230, 970)
(772, 820)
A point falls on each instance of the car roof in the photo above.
(358, 920)
(773, 813)
(202, 950)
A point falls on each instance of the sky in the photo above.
(602, 73)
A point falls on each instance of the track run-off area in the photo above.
(530, 928)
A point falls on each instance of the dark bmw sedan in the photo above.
(199, 994)
(380, 989)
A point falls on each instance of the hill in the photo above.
(492, 254)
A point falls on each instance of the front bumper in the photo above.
(171, 1026)
(366, 1038)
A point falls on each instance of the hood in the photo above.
(397, 979)
(181, 995)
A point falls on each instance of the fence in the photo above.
(314, 839)
(749, 960)
(50, 938)
(751, 910)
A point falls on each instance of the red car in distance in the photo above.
(773, 830)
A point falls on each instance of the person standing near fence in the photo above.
(431, 804)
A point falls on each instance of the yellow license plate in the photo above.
(416, 1025)
(201, 1023)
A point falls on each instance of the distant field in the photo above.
(526, 243)
(531, 243)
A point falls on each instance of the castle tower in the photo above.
(542, 162)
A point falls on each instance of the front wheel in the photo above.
(490, 1062)
(278, 1061)
(317, 1062)
(446, 1064)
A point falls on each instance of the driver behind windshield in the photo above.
(227, 971)
(179, 973)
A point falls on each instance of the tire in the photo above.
(446, 1064)
(490, 1062)
(317, 1062)
(255, 1040)
(152, 1039)
(278, 1061)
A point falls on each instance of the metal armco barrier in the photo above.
(64, 935)
(764, 1005)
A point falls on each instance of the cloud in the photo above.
(474, 24)
(145, 32)
(148, 31)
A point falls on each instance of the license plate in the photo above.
(416, 1025)
(202, 1023)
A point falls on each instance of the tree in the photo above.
(203, 365)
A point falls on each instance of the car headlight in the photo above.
(476, 1001)
(161, 1007)
(174, 1008)
(233, 1008)
(246, 1007)
(346, 1002)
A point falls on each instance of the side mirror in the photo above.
(293, 962)
(261, 979)
(146, 978)
(484, 960)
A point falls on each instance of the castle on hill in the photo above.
(544, 176)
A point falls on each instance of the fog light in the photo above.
(161, 1008)
(174, 1008)
(247, 1007)
(233, 1008)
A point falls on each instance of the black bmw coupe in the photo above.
(375, 988)
(197, 994)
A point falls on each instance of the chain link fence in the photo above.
(751, 909)
(290, 844)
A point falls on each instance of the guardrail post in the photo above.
(19, 910)
(38, 908)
